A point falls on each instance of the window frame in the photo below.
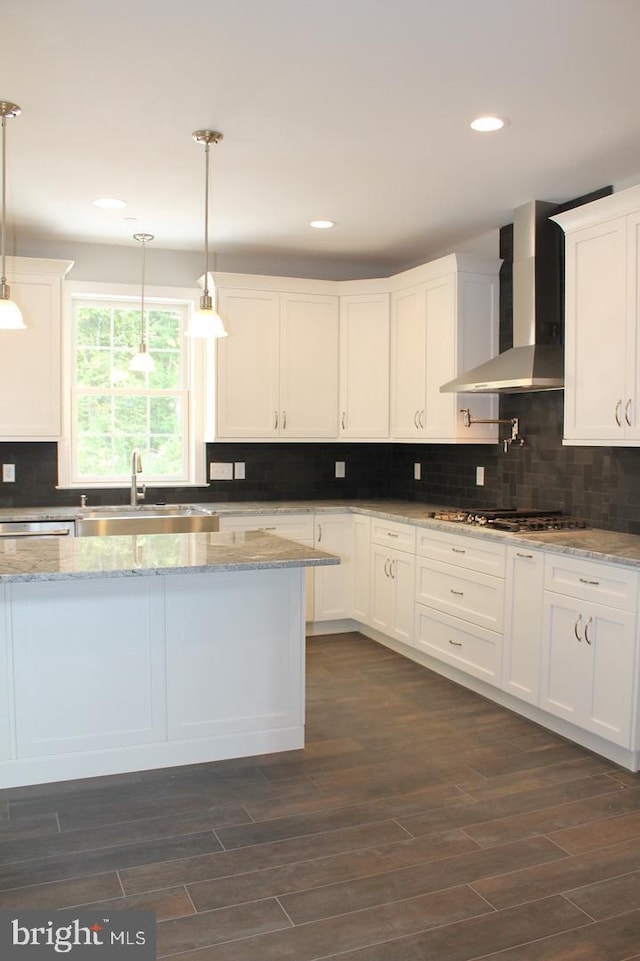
(196, 365)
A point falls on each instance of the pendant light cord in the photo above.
(144, 251)
(206, 219)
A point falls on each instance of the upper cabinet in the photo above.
(278, 368)
(30, 360)
(364, 366)
(357, 360)
(602, 317)
(443, 323)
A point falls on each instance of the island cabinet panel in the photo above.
(234, 658)
(88, 664)
(523, 623)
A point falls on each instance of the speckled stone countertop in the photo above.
(592, 543)
(53, 558)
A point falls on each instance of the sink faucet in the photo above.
(137, 493)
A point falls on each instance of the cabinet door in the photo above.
(523, 623)
(308, 366)
(382, 613)
(631, 410)
(588, 663)
(364, 365)
(402, 571)
(440, 308)
(333, 585)
(30, 362)
(408, 366)
(248, 364)
(596, 330)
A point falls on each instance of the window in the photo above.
(111, 410)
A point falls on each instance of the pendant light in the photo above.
(142, 362)
(205, 321)
(10, 316)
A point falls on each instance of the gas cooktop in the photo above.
(513, 520)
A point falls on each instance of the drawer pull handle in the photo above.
(390, 534)
(268, 528)
(527, 556)
(585, 580)
(459, 593)
(575, 627)
(458, 550)
(455, 643)
(586, 631)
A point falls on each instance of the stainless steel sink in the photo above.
(150, 519)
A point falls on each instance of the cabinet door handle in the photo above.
(627, 408)
(458, 550)
(391, 570)
(344, 417)
(586, 631)
(319, 533)
(421, 419)
(617, 413)
(458, 593)
(585, 580)
(275, 420)
(527, 556)
(284, 420)
(415, 420)
(575, 627)
(386, 567)
(455, 643)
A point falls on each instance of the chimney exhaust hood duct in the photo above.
(536, 360)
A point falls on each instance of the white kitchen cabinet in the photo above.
(392, 575)
(444, 324)
(30, 360)
(523, 623)
(333, 586)
(460, 601)
(588, 661)
(364, 366)
(602, 317)
(361, 574)
(278, 368)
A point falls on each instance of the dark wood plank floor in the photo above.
(420, 823)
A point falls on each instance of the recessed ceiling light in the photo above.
(488, 124)
(322, 224)
(109, 203)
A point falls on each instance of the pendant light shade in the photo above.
(205, 321)
(142, 362)
(10, 316)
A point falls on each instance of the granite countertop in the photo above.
(592, 543)
(52, 558)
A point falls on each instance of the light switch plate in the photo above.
(239, 470)
(8, 473)
(480, 476)
(218, 471)
(340, 468)
(417, 471)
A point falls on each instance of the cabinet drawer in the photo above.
(295, 527)
(474, 553)
(473, 650)
(401, 537)
(610, 584)
(470, 595)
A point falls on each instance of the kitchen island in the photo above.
(127, 653)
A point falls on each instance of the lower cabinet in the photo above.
(523, 623)
(332, 589)
(361, 568)
(392, 592)
(472, 649)
(588, 657)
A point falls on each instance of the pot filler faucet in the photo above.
(137, 493)
(515, 438)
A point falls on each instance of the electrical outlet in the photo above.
(238, 469)
(480, 476)
(340, 468)
(417, 471)
(8, 473)
(220, 471)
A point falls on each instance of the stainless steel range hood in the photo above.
(534, 362)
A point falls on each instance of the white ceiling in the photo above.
(354, 110)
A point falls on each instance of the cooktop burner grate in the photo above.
(513, 520)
